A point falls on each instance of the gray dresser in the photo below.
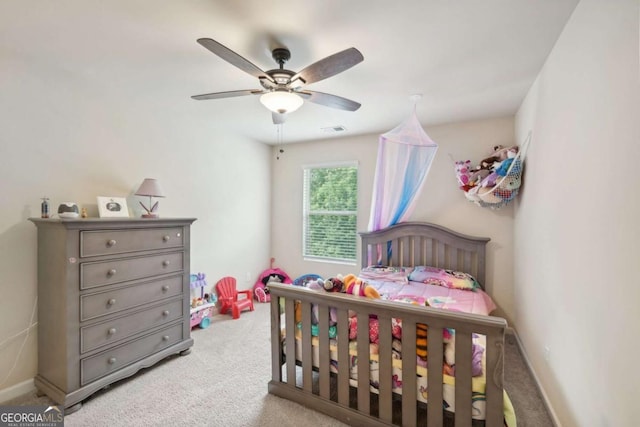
(113, 297)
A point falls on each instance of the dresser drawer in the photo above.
(94, 336)
(116, 300)
(106, 242)
(102, 273)
(116, 358)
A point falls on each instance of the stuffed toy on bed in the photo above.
(356, 286)
(333, 284)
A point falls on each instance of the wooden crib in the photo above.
(303, 370)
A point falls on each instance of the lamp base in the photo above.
(147, 215)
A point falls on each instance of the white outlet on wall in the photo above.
(547, 353)
(248, 276)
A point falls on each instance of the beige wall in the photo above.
(440, 201)
(71, 138)
(576, 224)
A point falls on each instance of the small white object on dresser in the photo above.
(113, 298)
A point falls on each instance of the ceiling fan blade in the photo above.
(233, 58)
(330, 66)
(230, 94)
(328, 100)
(278, 118)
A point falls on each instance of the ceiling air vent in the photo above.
(333, 129)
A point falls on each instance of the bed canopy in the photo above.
(405, 154)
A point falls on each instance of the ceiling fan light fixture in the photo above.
(281, 101)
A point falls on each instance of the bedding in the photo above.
(442, 277)
(475, 302)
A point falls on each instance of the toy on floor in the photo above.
(261, 290)
(201, 307)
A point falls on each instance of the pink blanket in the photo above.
(476, 302)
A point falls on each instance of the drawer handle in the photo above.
(112, 360)
(112, 301)
(111, 243)
(165, 313)
(165, 338)
(112, 331)
(165, 288)
(166, 238)
(165, 263)
(112, 272)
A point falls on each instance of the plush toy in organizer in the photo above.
(488, 195)
(463, 172)
(490, 180)
(477, 176)
(356, 286)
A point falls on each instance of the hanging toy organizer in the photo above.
(493, 185)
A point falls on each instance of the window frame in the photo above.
(306, 212)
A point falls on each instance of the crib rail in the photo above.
(332, 395)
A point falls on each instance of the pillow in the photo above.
(446, 278)
(384, 274)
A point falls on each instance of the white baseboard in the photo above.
(543, 394)
(16, 390)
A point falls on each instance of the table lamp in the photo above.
(151, 188)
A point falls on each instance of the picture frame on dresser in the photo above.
(112, 207)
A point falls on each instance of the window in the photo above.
(330, 210)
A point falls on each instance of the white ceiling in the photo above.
(467, 58)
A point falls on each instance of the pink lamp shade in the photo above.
(151, 188)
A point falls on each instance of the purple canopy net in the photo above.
(405, 154)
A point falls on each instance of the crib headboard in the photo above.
(422, 243)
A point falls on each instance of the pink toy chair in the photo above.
(228, 297)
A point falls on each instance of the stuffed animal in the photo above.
(315, 285)
(477, 176)
(510, 183)
(356, 286)
(333, 284)
(490, 180)
(463, 172)
(488, 195)
(500, 154)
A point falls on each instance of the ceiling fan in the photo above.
(282, 90)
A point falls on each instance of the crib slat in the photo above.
(409, 385)
(429, 258)
(466, 263)
(307, 351)
(453, 259)
(290, 341)
(343, 357)
(440, 254)
(395, 253)
(324, 351)
(276, 351)
(494, 362)
(404, 255)
(386, 370)
(434, 376)
(463, 378)
(363, 363)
